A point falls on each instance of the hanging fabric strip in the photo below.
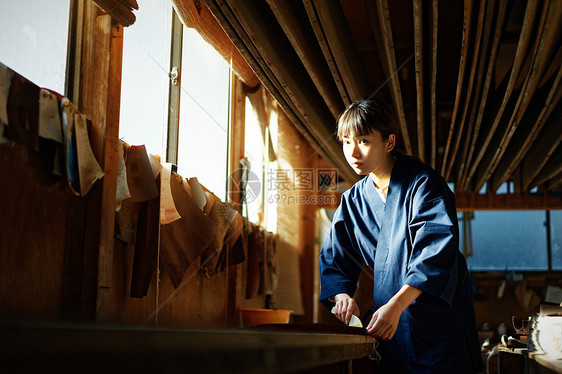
(88, 168)
(49, 116)
(168, 212)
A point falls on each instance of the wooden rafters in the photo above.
(473, 105)
(551, 169)
(521, 142)
(262, 42)
(418, 62)
(389, 61)
(316, 24)
(340, 42)
(464, 54)
(499, 25)
(433, 83)
(469, 99)
(520, 55)
(307, 47)
(542, 149)
(543, 48)
(496, 123)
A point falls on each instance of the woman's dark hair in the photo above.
(366, 115)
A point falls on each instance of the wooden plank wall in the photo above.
(33, 237)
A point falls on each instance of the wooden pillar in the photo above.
(96, 92)
(236, 146)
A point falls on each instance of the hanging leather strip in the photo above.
(184, 240)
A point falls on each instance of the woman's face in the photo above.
(368, 153)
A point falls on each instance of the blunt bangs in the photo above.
(352, 122)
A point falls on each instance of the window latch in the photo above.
(174, 76)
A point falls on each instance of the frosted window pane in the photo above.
(144, 82)
(33, 40)
(556, 238)
(202, 143)
(508, 240)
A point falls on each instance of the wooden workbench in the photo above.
(110, 349)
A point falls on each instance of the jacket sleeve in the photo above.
(340, 261)
(433, 231)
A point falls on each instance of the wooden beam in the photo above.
(471, 95)
(381, 12)
(500, 20)
(529, 128)
(473, 201)
(551, 169)
(293, 19)
(483, 63)
(524, 40)
(433, 82)
(120, 11)
(543, 48)
(324, 46)
(466, 201)
(110, 167)
(460, 81)
(555, 181)
(542, 149)
(339, 39)
(236, 153)
(418, 62)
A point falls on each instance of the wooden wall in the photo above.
(33, 242)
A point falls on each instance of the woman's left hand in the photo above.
(384, 321)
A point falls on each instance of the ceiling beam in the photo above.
(293, 19)
(543, 147)
(460, 80)
(471, 94)
(483, 63)
(381, 12)
(529, 128)
(418, 62)
(544, 46)
(555, 182)
(520, 54)
(347, 59)
(500, 22)
(433, 83)
(316, 24)
(551, 169)
(513, 201)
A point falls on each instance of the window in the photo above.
(254, 149)
(508, 240)
(144, 81)
(34, 43)
(203, 125)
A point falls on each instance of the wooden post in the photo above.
(237, 119)
(96, 93)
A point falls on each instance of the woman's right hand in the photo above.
(346, 306)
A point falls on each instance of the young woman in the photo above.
(401, 221)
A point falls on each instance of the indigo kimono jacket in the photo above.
(411, 239)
